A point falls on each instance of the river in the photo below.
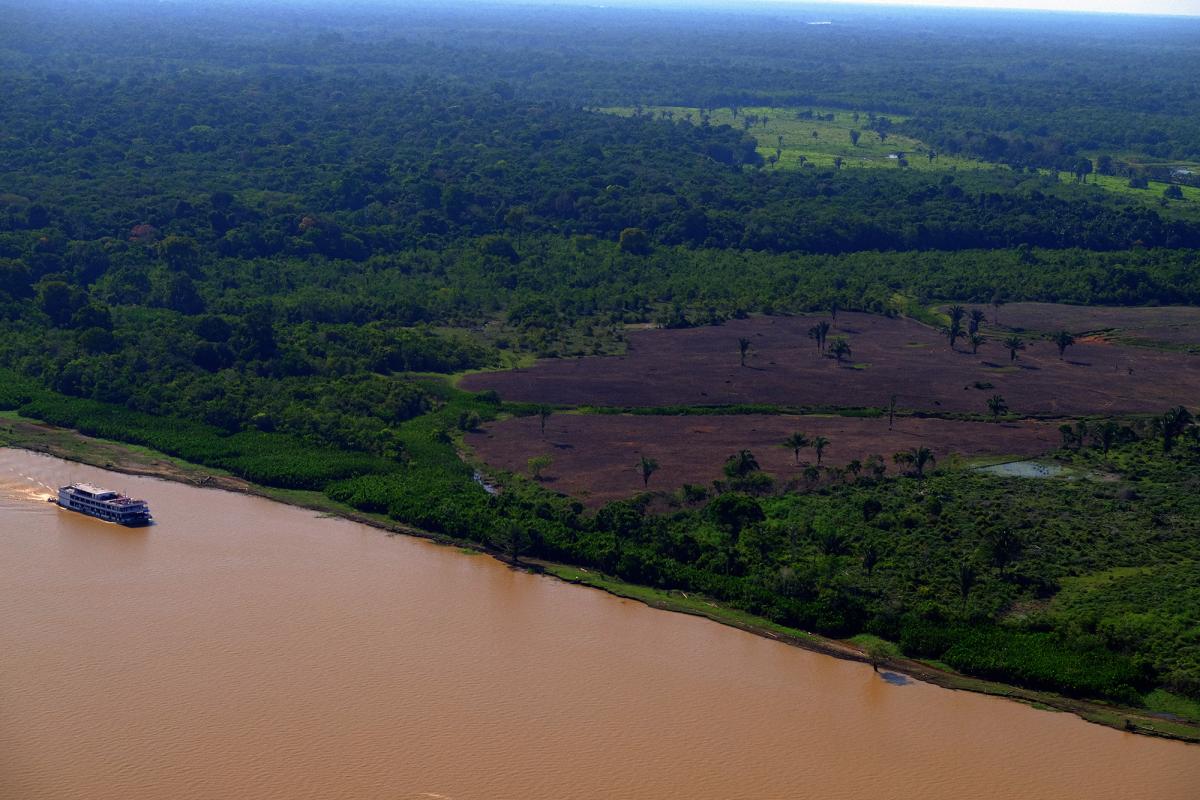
(241, 648)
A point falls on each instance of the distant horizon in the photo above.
(1155, 8)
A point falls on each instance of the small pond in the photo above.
(1023, 469)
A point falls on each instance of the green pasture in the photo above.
(788, 142)
(783, 130)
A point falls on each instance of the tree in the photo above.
(180, 252)
(515, 219)
(515, 540)
(544, 412)
(880, 651)
(854, 137)
(997, 301)
(975, 340)
(977, 318)
(837, 162)
(1171, 425)
(1068, 435)
(1106, 435)
(733, 512)
(840, 348)
(1081, 169)
(891, 411)
(1173, 192)
(796, 442)
(966, 581)
(876, 465)
(1063, 340)
(818, 333)
(741, 464)
(870, 557)
(59, 300)
(1013, 344)
(918, 458)
(634, 241)
(647, 467)
(954, 331)
(743, 348)
(957, 313)
(819, 443)
(997, 406)
(1003, 547)
(537, 465)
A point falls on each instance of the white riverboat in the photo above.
(104, 504)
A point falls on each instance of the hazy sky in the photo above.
(1191, 7)
(1184, 7)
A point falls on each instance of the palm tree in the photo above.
(997, 406)
(975, 340)
(977, 319)
(840, 349)
(876, 465)
(1063, 340)
(870, 558)
(966, 581)
(823, 329)
(814, 333)
(956, 313)
(854, 467)
(796, 442)
(743, 348)
(891, 411)
(1068, 436)
(1013, 344)
(997, 301)
(918, 458)
(819, 443)
(741, 464)
(922, 457)
(647, 466)
(544, 412)
(1171, 424)
(1107, 435)
(954, 331)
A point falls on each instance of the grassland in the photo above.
(781, 132)
(793, 138)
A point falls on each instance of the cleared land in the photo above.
(782, 130)
(1172, 326)
(595, 456)
(788, 137)
(700, 366)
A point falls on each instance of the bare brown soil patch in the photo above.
(595, 456)
(1177, 326)
(890, 356)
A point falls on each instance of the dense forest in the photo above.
(269, 248)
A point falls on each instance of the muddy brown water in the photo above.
(242, 648)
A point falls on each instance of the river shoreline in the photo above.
(27, 434)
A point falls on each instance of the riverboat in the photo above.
(104, 504)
